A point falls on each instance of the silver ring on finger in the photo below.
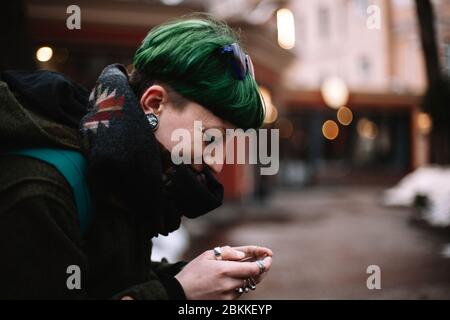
(246, 288)
(241, 289)
(261, 266)
(218, 253)
(251, 283)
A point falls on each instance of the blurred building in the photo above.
(382, 70)
(333, 40)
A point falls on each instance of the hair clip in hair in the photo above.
(241, 63)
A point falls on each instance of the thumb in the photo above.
(229, 253)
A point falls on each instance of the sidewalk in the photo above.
(324, 240)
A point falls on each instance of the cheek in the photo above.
(175, 125)
(163, 138)
(167, 126)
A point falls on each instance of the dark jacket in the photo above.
(39, 229)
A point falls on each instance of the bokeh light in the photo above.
(344, 116)
(330, 130)
(286, 128)
(271, 110)
(367, 128)
(334, 92)
(286, 28)
(44, 54)
(424, 123)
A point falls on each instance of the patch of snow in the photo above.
(171, 247)
(432, 182)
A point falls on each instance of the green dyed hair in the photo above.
(185, 55)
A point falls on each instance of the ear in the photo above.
(153, 98)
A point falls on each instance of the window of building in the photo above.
(301, 32)
(364, 67)
(403, 3)
(361, 6)
(343, 18)
(324, 22)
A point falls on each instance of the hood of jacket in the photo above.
(40, 109)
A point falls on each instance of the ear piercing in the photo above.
(153, 120)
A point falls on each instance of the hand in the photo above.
(206, 278)
(253, 253)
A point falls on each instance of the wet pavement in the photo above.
(324, 239)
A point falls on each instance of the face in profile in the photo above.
(172, 117)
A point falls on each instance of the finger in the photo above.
(232, 296)
(255, 251)
(235, 294)
(259, 278)
(245, 269)
(232, 254)
(231, 284)
(267, 261)
(228, 253)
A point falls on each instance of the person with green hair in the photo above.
(88, 180)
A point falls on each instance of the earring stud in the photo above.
(153, 120)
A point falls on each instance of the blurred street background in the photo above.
(360, 93)
(324, 238)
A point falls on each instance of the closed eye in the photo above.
(211, 139)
